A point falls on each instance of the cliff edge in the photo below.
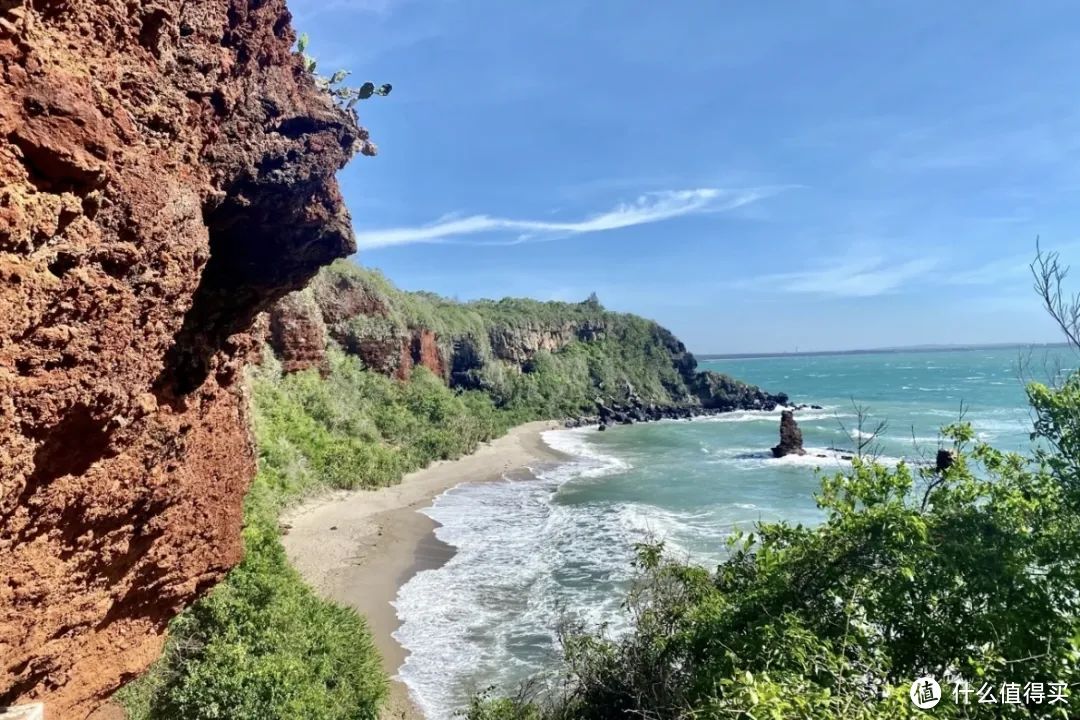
(166, 173)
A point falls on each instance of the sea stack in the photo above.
(790, 436)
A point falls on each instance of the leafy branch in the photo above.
(345, 96)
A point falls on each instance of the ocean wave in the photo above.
(740, 416)
(523, 562)
(589, 461)
(815, 457)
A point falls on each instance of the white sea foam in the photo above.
(527, 560)
(489, 616)
(740, 416)
(825, 458)
(589, 461)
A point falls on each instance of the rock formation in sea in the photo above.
(791, 442)
(166, 173)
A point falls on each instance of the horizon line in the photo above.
(881, 350)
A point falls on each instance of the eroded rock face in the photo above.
(166, 172)
(298, 334)
(421, 350)
(520, 345)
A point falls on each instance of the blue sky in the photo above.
(757, 176)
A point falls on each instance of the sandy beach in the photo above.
(358, 547)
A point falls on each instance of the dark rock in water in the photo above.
(847, 457)
(816, 407)
(603, 411)
(602, 427)
(790, 436)
(945, 460)
(724, 395)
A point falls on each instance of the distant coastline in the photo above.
(878, 351)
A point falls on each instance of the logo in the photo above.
(925, 693)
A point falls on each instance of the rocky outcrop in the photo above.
(791, 442)
(298, 334)
(423, 350)
(166, 172)
(724, 393)
(341, 307)
(343, 297)
(519, 345)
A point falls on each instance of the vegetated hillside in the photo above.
(535, 359)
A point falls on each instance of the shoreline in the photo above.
(358, 547)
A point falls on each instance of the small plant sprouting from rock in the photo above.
(344, 95)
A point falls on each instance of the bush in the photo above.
(358, 428)
(971, 573)
(262, 645)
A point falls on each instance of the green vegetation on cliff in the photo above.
(356, 428)
(534, 359)
(262, 645)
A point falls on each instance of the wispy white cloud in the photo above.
(1003, 271)
(864, 273)
(850, 277)
(1012, 270)
(647, 208)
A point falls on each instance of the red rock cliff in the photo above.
(166, 172)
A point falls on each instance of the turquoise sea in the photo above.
(533, 552)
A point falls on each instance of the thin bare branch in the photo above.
(1050, 275)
